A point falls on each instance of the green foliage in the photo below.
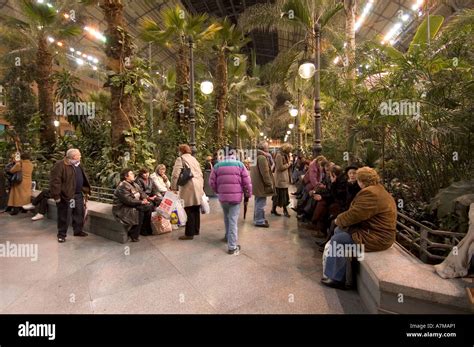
(21, 102)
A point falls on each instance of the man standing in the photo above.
(68, 184)
(262, 183)
(231, 181)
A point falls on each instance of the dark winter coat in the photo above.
(125, 203)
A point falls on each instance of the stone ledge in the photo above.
(384, 275)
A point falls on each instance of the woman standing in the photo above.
(282, 179)
(20, 193)
(191, 192)
(160, 179)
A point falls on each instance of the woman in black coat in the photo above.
(131, 206)
(149, 187)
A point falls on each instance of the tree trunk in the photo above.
(182, 84)
(119, 52)
(44, 61)
(221, 96)
(350, 12)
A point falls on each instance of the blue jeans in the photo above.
(259, 210)
(336, 265)
(231, 217)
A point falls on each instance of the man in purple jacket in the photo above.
(230, 180)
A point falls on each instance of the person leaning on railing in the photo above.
(370, 221)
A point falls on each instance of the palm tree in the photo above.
(227, 40)
(178, 27)
(249, 98)
(119, 50)
(40, 22)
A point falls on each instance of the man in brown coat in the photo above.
(263, 184)
(68, 184)
(369, 224)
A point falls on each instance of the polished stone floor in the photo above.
(277, 271)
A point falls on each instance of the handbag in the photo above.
(17, 177)
(185, 175)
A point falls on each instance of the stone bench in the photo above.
(100, 220)
(394, 281)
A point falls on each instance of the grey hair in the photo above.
(262, 145)
(71, 152)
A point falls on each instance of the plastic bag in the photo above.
(205, 208)
(182, 216)
(160, 225)
(167, 205)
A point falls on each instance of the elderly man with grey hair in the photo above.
(68, 184)
(263, 183)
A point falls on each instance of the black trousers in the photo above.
(144, 222)
(193, 225)
(76, 205)
(42, 201)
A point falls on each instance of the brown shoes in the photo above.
(184, 237)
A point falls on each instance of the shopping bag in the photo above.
(205, 209)
(327, 250)
(159, 225)
(182, 216)
(167, 204)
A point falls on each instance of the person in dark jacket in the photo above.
(68, 186)
(131, 206)
(263, 183)
(231, 181)
(148, 186)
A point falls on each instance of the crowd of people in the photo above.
(341, 205)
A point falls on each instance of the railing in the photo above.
(99, 194)
(417, 236)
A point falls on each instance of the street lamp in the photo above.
(293, 112)
(207, 87)
(307, 70)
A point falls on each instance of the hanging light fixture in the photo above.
(207, 87)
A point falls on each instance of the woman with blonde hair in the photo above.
(160, 179)
(282, 179)
(370, 221)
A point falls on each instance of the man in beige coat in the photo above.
(191, 193)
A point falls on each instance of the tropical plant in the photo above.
(179, 27)
(41, 22)
(228, 40)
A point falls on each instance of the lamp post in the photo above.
(192, 111)
(306, 71)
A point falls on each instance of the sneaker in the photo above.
(235, 251)
(29, 207)
(38, 216)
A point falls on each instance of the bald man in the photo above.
(68, 184)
